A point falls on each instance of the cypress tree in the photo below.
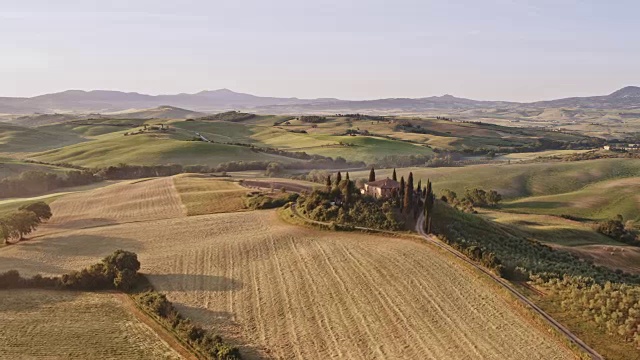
(394, 176)
(408, 195)
(429, 203)
(328, 183)
(347, 176)
(346, 194)
(372, 175)
(401, 194)
(338, 178)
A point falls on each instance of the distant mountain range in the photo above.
(103, 101)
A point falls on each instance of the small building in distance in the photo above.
(381, 188)
(622, 147)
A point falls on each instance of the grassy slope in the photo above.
(15, 138)
(602, 200)
(150, 149)
(522, 180)
(94, 127)
(12, 167)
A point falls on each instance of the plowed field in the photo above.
(281, 291)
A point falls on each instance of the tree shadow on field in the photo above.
(80, 223)
(223, 323)
(547, 205)
(23, 300)
(193, 282)
(27, 267)
(79, 245)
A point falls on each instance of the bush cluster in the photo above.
(615, 229)
(472, 197)
(116, 271)
(260, 201)
(362, 211)
(202, 340)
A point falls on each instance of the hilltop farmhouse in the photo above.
(381, 188)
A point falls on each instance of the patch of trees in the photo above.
(124, 171)
(16, 225)
(342, 202)
(613, 308)
(261, 201)
(116, 271)
(312, 119)
(616, 229)
(472, 197)
(362, 117)
(34, 182)
(199, 338)
(228, 116)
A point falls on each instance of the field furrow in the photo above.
(281, 291)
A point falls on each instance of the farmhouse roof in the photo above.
(385, 184)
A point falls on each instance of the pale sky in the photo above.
(486, 50)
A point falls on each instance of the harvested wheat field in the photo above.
(205, 195)
(281, 291)
(127, 201)
(73, 325)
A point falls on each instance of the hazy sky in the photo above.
(492, 49)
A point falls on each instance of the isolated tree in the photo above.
(274, 169)
(372, 175)
(394, 176)
(7, 230)
(338, 178)
(493, 198)
(24, 222)
(40, 208)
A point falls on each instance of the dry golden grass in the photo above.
(128, 201)
(283, 291)
(45, 324)
(205, 195)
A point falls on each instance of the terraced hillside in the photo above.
(282, 291)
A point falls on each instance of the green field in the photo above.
(517, 181)
(602, 200)
(151, 149)
(11, 167)
(21, 139)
